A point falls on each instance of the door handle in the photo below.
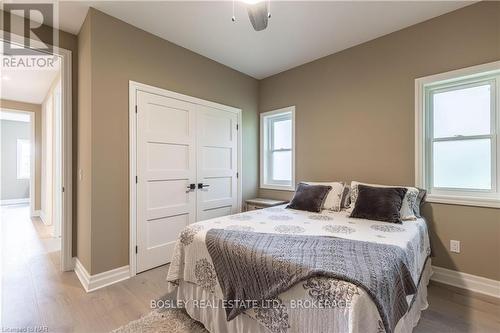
(191, 187)
(201, 186)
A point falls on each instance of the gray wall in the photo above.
(12, 188)
(355, 120)
(112, 52)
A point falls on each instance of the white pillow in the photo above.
(333, 200)
(409, 201)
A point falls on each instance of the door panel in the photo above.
(166, 198)
(217, 158)
(165, 167)
(217, 212)
(161, 154)
(155, 230)
(178, 144)
(170, 119)
(217, 143)
(220, 189)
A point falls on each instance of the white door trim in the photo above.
(134, 87)
(67, 263)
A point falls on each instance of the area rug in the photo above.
(171, 321)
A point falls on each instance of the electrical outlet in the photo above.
(455, 246)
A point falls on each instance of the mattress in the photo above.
(192, 275)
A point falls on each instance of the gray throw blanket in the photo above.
(254, 266)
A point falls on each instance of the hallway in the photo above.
(29, 252)
(35, 293)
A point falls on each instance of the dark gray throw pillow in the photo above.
(379, 203)
(309, 197)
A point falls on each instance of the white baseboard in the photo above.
(466, 281)
(14, 201)
(36, 213)
(97, 281)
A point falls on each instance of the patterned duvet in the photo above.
(299, 308)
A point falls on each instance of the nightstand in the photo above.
(259, 203)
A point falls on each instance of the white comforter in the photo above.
(298, 311)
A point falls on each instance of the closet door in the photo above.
(217, 144)
(166, 132)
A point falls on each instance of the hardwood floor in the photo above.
(455, 310)
(35, 293)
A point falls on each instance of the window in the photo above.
(23, 159)
(277, 137)
(457, 136)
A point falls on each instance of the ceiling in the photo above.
(27, 84)
(298, 32)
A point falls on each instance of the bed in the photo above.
(193, 279)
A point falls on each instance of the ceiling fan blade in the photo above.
(258, 15)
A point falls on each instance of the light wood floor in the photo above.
(36, 293)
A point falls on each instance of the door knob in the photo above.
(191, 187)
(201, 185)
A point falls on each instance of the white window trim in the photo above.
(467, 198)
(263, 150)
(19, 144)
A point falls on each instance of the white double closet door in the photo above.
(186, 171)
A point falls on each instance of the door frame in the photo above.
(134, 88)
(67, 261)
(32, 179)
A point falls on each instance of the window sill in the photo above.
(278, 188)
(464, 201)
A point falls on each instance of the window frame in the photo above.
(425, 88)
(19, 144)
(267, 149)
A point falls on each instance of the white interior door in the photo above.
(217, 161)
(166, 132)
